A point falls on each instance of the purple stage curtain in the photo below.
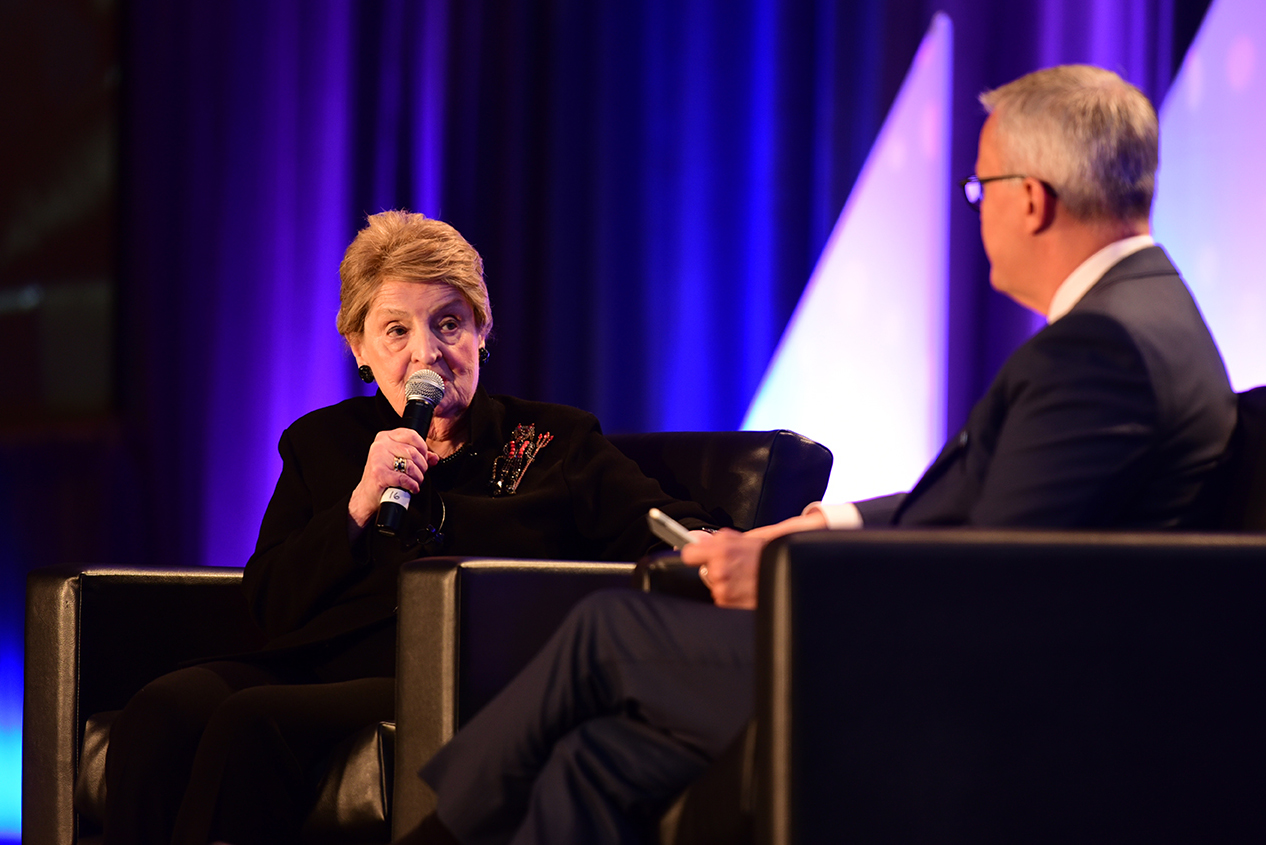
(649, 183)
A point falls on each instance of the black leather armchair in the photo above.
(496, 614)
(969, 685)
(1008, 686)
(94, 635)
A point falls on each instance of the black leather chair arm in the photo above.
(959, 685)
(79, 620)
(466, 627)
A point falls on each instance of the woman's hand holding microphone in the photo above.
(397, 458)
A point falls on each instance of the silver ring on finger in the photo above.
(400, 464)
(703, 576)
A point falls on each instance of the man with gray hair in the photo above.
(1114, 415)
(1117, 412)
(1094, 136)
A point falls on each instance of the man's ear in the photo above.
(1039, 206)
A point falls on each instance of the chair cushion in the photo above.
(90, 785)
(354, 798)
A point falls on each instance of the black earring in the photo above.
(484, 355)
(366, 374)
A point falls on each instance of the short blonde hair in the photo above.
(1085, 131)
(401, 246)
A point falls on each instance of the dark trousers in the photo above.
(225, 751)
(628, 703)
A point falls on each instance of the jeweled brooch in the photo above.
(516, 457)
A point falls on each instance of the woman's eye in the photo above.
(395, 331)
(448, 325)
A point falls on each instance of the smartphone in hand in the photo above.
(668, 529)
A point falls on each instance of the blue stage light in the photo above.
(10, 774)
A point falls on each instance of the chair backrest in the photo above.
(1235, 498)
(1244, 508)
(743, 478)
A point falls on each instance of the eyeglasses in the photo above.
(974, 187)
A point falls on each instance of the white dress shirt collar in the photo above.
(1072, 289)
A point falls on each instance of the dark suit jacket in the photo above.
(1114, 415)
(330, 604)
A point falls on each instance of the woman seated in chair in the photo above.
(226, 750)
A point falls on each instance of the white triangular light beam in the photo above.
(861, 365)
(1212, 179)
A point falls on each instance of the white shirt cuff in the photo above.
(845, 515)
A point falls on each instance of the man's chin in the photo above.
(1007, 290)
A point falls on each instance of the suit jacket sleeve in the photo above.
(1074, 421)
(880, 510)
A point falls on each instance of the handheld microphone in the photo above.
(422, 392)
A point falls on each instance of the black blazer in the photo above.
(1114, 415)
(315, 594)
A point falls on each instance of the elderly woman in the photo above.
(226, 750)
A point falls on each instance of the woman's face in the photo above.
(412, 326)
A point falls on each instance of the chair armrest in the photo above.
(466, 628)
(1011, 686)
(665, 573)
(79, 620)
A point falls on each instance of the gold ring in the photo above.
(400, 465)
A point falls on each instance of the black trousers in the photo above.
(225, 751)
(626, 705)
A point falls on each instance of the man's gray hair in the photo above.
(1088, 133)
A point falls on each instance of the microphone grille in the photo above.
(425, 386)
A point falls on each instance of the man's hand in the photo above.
(728, 563)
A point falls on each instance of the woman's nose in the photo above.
(426, 350)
